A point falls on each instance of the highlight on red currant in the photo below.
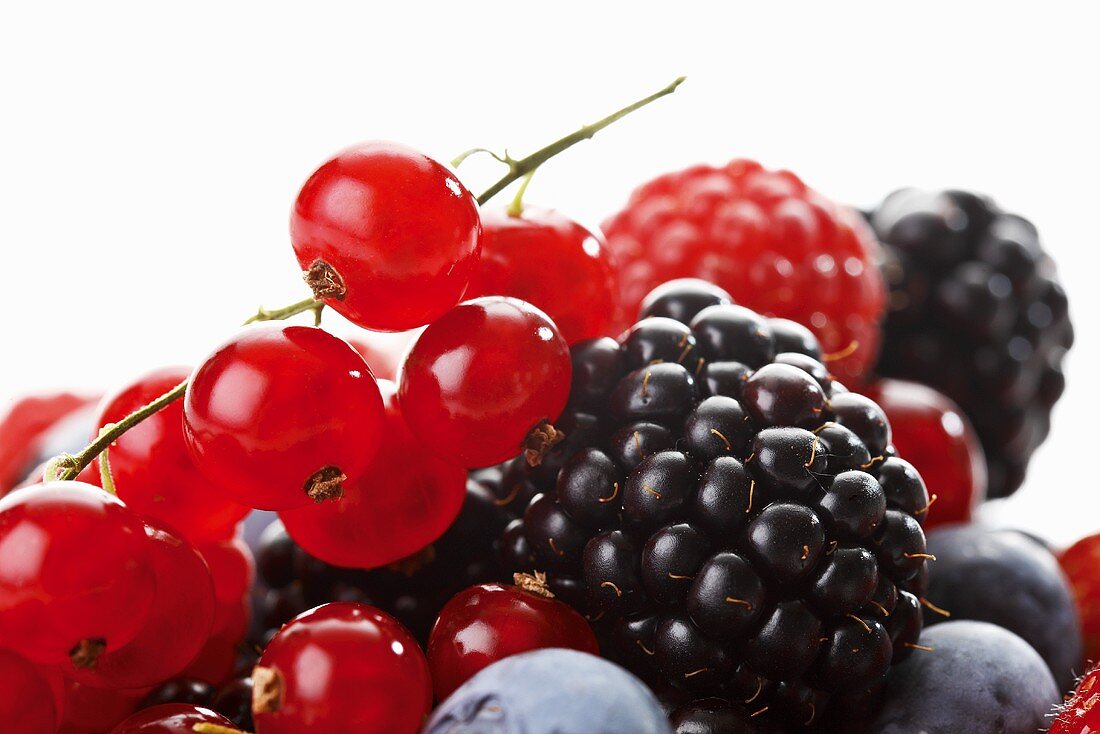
(526, 447)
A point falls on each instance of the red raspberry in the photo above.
(1081, 562)
(1081, 712)
(776, 245)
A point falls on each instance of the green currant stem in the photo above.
(279, 314)
(517, 169)
(515, 209)
(73, 465)
(106, 480)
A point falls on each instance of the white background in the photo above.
(150, 151)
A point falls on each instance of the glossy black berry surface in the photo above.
(724, 520)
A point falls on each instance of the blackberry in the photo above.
(730, 538)
(976, 311)
(413, 590)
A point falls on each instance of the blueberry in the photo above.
(550, 692)
(1006, 578)
(973, 677)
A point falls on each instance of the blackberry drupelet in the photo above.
(734, 523)
(977, 312)
(412, 590)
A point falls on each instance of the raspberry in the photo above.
(976, 312)
(765, 237)
(751, 538)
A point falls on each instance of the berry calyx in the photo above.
(152, 468)
(386, 236)
(341, 667)
(479, 383)
(406, 498)
(76, 578)
(490, 622)
(555, 264)
(281, 416)
(176, 626)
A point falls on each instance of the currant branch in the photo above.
(517, 169)
(67, 466)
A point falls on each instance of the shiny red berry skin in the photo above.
(1081, 713)
(22, 428)
(152, 467)
(480, 378)
(545, 258)
(489, 622)
(74, 571)
(342, 667)
(89, 710)
(399, 229)
(176, 627)
(276, 410)
(1081, 562)
(768, 239)
(406, 499)
(171, 718)
(27, 703)
(233, 571)
(935, 436)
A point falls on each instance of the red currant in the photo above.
(152, 468)
(26, 700)
(89, 710)
(482, 383)
(405, 501)
(23, 427)
(176, 627)
(1081, 713)
(281, 416)
(554, 263)
(342, 667)
(232, 570)
(935, 436)
(75, 574)
(1081, 562)
(171, 718)
(490, 622)
(387, 236)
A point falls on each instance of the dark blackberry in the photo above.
(179, 690)
(234, 702)
(725, 529)
(977, 312)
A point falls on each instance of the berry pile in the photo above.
(734, 521)
(977, 312)
(525, 525)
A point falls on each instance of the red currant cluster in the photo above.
(124, 568)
